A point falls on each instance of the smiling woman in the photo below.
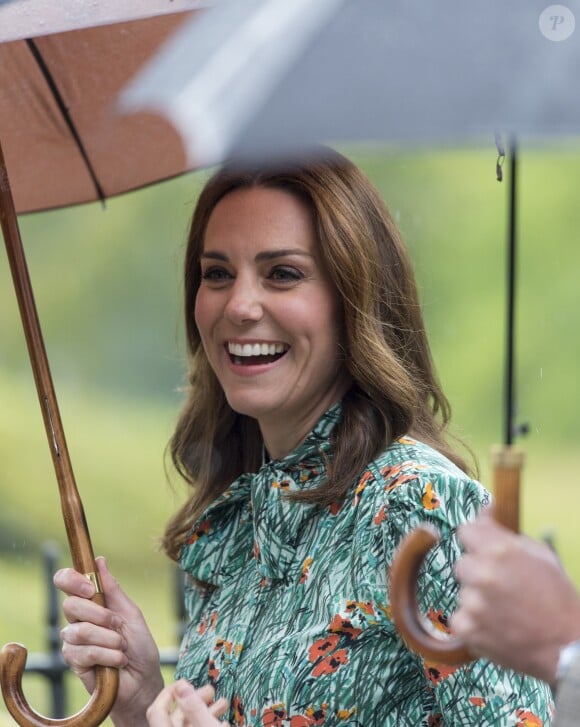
(314, 437)
(264, 285)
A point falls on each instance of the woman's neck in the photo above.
(283, 435)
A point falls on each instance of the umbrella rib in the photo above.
(51, 83)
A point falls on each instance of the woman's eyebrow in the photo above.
(214, 256)
(265, 255)
(284, 252)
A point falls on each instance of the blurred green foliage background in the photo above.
(108, 290)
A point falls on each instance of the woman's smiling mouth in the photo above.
(252, 354)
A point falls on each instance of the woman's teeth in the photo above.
(256, 353)
(256, 349)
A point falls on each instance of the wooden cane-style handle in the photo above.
(507, 464)
(12, 663)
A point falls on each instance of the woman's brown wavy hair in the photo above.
(395, 390)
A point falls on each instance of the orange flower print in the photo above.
(430, 498)
(300, 720)
(391, 470)
(283, 485)
(331, 663)
(400, 481)
(323, 646)
(305, 570)
(227, 646)
(334, 508)
(238, 711)
(435, 720)
(340, 625)
(213, 673)
(436, 673)
(365, 606)
(274, 716)
(381, 516)
(203, 625)
(361, 486)
(311, 471)
(309, 474)
(439, 620)
(202, 529)
(396, 474)
(256, 550)
(344, 714)
(477, 701)
(528, 719)
(311, 716)
(387, 610)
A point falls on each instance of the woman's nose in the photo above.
(244, 303)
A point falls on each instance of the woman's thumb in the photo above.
(115, 597)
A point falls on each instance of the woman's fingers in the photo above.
(159, 713)
(205, 693)
(180, 705)
(81, 609)
(197, 705)
(120, 609)
(72, 583)
(82, 658)
(79, 634)
(219, 708)
(85, 644)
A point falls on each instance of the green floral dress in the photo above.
(298, 628)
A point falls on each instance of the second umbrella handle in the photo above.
(507, 466)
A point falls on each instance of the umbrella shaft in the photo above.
(509, 423)
(72, 509)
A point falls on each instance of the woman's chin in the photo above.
(247, 407)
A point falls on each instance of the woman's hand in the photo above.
(116, 636)
(517, 605)
(180, 705)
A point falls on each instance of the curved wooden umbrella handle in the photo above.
(12, 663)
(507, 464)
(13, 657)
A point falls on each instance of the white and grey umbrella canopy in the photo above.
(263, 77)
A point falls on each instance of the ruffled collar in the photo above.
(254, 517)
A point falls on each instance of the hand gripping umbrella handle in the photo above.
(13, 656)
(507, 465)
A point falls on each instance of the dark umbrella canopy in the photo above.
(403, 71)
(61, 67)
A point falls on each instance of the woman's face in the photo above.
(268, 314)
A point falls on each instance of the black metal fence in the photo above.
(50, 664)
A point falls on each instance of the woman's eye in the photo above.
(285, 274)
(215, 274)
